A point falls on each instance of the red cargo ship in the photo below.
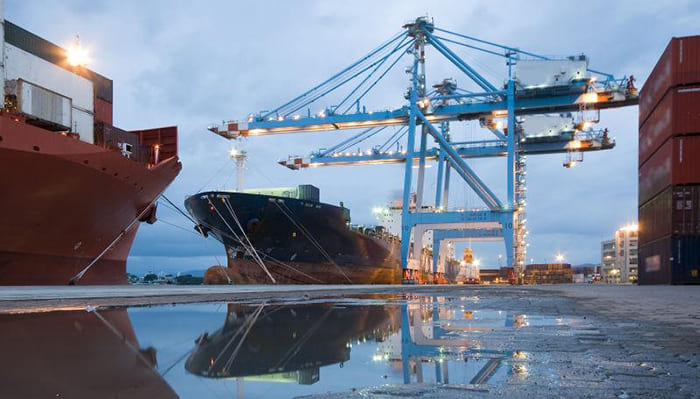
(74, 186)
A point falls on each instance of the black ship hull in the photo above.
(297, 241)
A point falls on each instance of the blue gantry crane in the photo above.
(545, 105)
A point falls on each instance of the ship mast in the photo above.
(240, 156)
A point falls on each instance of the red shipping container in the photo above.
(162, 141)
(678, 113)
(103, 111)
(675, 163)
(675, 211)
(679, 65)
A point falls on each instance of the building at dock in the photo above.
(619, 256)
(607, 258)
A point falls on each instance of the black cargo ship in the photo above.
(288, 236)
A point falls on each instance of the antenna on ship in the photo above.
(240, 156)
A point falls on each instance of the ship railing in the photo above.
(127, 144)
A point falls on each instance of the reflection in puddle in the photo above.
(265, 350)
(286, 343)
(76, 354)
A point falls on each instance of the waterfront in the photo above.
(510, 209)
(570, 340)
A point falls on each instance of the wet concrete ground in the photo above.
(451, 341)
(619, 341)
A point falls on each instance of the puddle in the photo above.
(253, 349)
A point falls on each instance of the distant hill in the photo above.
(584, 268)
(194, 273)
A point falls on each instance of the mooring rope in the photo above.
(169, 204)
(260, 263)
(243, 233)
(270, 257)
(313, 241)
(81, 273)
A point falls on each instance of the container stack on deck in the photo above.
(669, 167)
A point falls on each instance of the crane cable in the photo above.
(284, 109)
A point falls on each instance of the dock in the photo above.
(29, 299)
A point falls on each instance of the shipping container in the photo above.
(42, 107)
(20, 64)
(103, 87)
(44, 49)
(677, 114)
(309, 192)
(162, 142)
(679, 65)
(103, 111)
(670, 260)
(84, 124)
(675, 163)
(675, 211)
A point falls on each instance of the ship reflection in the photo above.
(291, 343)
(76, 354)
(287, 343)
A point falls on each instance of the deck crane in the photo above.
(535, 86)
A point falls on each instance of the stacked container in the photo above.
(669, 167)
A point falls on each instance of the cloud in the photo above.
(174, 63)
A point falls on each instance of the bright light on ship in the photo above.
(77, 55)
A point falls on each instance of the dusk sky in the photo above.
(192, 64)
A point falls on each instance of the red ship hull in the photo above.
(65, 201)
